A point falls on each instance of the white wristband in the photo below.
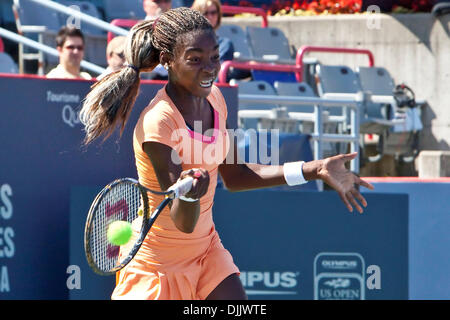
(293, 173)
(187, 199)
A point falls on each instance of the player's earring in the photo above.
(166, 66)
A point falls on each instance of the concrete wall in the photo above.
(414, 48)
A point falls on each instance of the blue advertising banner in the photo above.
(429, 236)
(306, 245)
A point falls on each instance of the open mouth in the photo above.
(206, 83)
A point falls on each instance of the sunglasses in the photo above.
(120, 55)
(162, 1)
(72, 47)
(210, 13)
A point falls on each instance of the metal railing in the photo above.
(353, 102)
(239, 10)
(305, 49)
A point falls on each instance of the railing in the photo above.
(82, 16)
(305, 49)
(49, 50)
(353, 102)
(238, 10)
(128, 23)
(296, 68)
(253, 65)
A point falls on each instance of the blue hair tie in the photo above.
(133, 67)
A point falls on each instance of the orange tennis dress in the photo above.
(171, 264)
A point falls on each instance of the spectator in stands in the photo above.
(114, 55)
(154, 8)
(212, 10)
(70, 45)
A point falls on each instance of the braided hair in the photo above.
(110, 101)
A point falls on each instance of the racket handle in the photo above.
(180, 188)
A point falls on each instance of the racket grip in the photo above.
(180, 188)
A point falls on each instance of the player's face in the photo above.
(196, 63)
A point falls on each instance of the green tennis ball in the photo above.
(119, 232)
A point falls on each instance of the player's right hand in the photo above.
(200, 184)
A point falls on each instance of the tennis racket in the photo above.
(126, 200)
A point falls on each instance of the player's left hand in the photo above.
(334, 173)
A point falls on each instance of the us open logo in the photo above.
(339, 276)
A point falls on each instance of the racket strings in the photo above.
(121, 202)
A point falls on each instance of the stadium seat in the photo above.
(239, 39)
(341, 79)
(295, 89)
(257, 88)
(375, 118)
(273, 116)
(41, 27)
(120, 9)
(6, 14)
(34, 14)
(377, 80)
(398, 139)
(7, 64)
(247, 121)
(87, 8)
(305, 113)
(336, 79)
(270, 45)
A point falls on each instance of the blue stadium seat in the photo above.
(239, 39)
(274, 116)
(257, 88)
(254, 88)
(6, 14)
(271, 45)
(300, 89)
(305, 113)
(374, 117)
(87, 8)
(377, 80)
(398, 139)
(7, 64)
(123, 9)
(40, 27)
(34, 14)
(336, 79)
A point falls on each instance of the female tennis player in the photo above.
(182, 132)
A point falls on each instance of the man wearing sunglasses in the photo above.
(70, 45)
